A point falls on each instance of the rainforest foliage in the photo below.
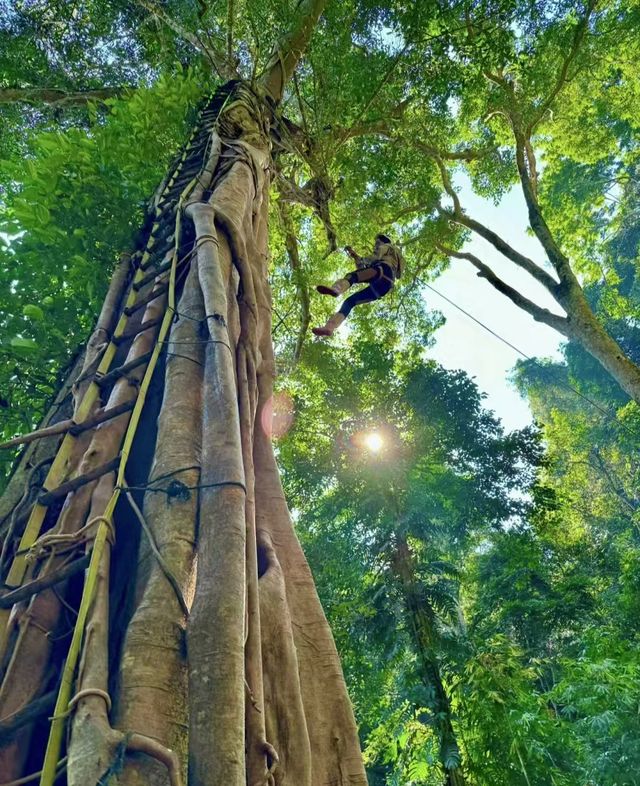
(483, 587)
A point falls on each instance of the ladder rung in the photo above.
(164, 206)
(163, 233)
(147, 299)
(195, 156)
(122, 371)
(179, 183)
(162, 248)
(151, 262)
(105, 414)
(150, 276)
(128, 334)
(42, 582)
(48, 497)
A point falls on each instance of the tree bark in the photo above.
(257, 695)
(421, 618)
(585, 328)
(56, 97)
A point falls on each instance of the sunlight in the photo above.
(373, 441)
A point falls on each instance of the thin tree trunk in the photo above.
(421, 618)
(587, 330)
(583, 324)
(297, 275)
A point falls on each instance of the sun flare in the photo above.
(373, 441)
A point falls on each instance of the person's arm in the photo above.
(361, 262)
(355, 256)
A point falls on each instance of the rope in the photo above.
(207, 238)
(156, 552)
(56, 543)
(176, 488)
(62, 707)
(563, 384)
(175, 472)
(28, 778)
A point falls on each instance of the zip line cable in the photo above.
(482, 325)
(524, 355)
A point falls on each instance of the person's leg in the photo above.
(342, 284)
(378, 288)
(366, 295)
(362, 275)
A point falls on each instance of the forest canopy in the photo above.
(482, 585)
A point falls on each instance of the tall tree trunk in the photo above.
(585, 328)
(227, 672)
(583, 325)
(421, 619)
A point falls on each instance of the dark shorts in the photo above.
(384, 282)
(377, 287)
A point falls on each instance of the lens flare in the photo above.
(373, 441)
(278, 415)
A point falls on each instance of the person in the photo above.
(379, 271)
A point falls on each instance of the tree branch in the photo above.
(230, 21)
(559, 261)
(290, 48)
(540, 275)
(533, 169)
(499, 79)
(467, 154)
(218, 60)
(407, 211)
(537, 312)
(302, 290)
(614, 482)
(381, 126)
(448, 187)
(376, 91)
(316, 194)
(57, 97)
(578, 36)
(303, 114)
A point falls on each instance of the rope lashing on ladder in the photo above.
(54, 744)
(100, 529)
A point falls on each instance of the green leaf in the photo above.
(34, 312)
(26, 344)
(42, 213)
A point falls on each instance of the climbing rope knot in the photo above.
(178, 490)
(59, 543)
(219, 318)
(206, 238)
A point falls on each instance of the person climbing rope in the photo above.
(379, 271)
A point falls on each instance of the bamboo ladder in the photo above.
(146, 269)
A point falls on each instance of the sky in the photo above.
(461, 343)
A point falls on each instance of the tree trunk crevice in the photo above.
(246, 690)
